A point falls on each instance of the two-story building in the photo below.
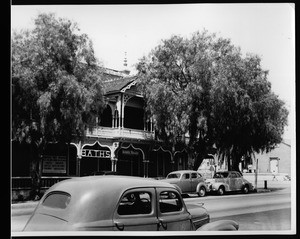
(121, 140)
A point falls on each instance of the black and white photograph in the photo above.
(153, 119)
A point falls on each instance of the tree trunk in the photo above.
(198, 160)
(35, 173)
(236, 159)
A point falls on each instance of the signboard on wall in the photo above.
(54, 164)
(95, 153)
(130, 152)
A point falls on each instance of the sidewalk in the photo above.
(267, 180)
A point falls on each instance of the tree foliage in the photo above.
(203, 86)
(56, 86)
(55, 78)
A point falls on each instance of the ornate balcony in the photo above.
(108, 132)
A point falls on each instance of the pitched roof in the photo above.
(117, 84)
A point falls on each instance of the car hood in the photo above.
(197, 210)
(210, 180)
(199, 214)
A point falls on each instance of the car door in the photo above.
(195, 179)
(136, 211)
(171, 211)
(185, 183)
(239, 181)
(232, 181)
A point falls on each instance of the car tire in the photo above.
(202, 192)
(245, 189)
(221, 191)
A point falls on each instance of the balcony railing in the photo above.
(107, 132)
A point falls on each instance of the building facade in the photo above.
(276, 161)
(121, 140)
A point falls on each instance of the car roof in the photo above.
(100, 193)
(110, 182)
(184, 171)
(227, 172)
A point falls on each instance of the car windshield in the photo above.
(221, 175)
(174, 175)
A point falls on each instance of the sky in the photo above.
(265, 29)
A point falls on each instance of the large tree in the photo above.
(204, 87)
(56, 84)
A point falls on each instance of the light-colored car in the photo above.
(119, 203)
(228, 181)
(188, 181)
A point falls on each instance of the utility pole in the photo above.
(256, 174)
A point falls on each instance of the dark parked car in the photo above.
(104, 173)
(188, 181)
(119, 203)
(227, 181)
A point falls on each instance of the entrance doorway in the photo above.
(130, 162)
(274, 165)
(95, 158)
(160, 163)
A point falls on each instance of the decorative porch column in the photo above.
(114, 164)
(114, 159)
(78, 160)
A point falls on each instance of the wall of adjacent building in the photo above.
(283, 152)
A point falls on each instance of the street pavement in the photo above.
(20, 212)
(27, 207)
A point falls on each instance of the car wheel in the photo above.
(202, 192)
(245, 189)
(221, 191)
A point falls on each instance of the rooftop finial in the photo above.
(126, 71)
(125, 60)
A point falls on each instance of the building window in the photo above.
(105, 118)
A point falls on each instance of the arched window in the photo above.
(116, 119)
(106, 117)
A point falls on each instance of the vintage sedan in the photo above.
(119, 203)
(228, 181)
(188, 181)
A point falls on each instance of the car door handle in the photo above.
(163, 224)
(120, 226)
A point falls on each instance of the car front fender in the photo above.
(221, 225)
(215, 186)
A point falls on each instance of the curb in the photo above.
(263, 190)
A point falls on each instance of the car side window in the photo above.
(194, 175)
(233, 175)
(135, 203)
(186, 176)
(169, 201)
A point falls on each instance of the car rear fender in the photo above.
(221, 225)
(178, 188)
(201, 184)
(45, 222)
